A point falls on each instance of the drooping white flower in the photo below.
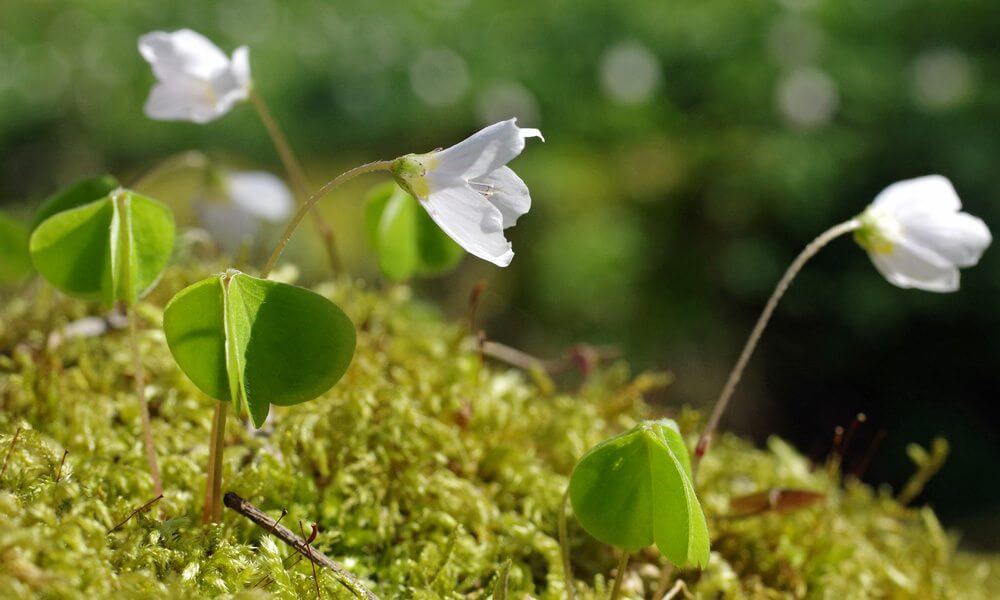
(917, 237)
(469, 191)
(248, 199)
(195, 80)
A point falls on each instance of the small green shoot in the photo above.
(97, 241)
(255, 342)
(406, 240)
(636, 489)
(113, 248)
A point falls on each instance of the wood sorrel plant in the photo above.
(252, 342)
(97, 241)
(636, 489)
(916, 236)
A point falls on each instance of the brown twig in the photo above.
(581, 356)
(260, 518)
(10, 449)
(134, 513)
(62, 461)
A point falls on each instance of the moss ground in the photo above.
(425, 469)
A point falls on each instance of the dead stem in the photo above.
(302, 546)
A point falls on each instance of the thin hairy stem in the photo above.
(140, 393)
(190, 159)
(734, 376)
(212, 511)
(296, 174)
(379, 165)
(622, 565)
(564, 546)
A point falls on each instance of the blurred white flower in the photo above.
(439, 77)
(629, 73)
(469, 191)
(942, 78)
(195, 80)
(249, 199)
(807, 97)
(916, 236)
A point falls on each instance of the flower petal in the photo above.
(260, 194)
(923, 194)
(181, 101)
(240, 66)
(181, 53)
(910, 266)
(505, 190)
(230, 226)
(471, 221)
(959, 238)
(483, 152)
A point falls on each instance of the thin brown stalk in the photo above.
(140, 393)
(10, 448)
(212, 511)
(737, 373)
(134, 513)
(297, 176)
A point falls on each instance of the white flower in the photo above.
(249, 198)
(916, 236)
(469, 191)
(195, 80)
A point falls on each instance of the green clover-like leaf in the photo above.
(76, 194)
(15, 262)
(255, 342)
(407, 242)
(109, 249)
(636, 489)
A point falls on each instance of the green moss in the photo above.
(425, 470)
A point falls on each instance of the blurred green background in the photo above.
(693, 148)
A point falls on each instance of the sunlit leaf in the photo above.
(255, 342)
(636, 489)
(77, 194)
(407, 242)
(15, 262)
(113, 248)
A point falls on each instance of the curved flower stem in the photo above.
(622, 565)
(295, 172)
(190, 159)
(734, 376)
(140, 392)
(564, 545)
(379, 165)
(212, 511)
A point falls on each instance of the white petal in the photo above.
(471, 221)
(231, 227)
(959, 238)
(182, 53)
(506, 191)
(182, 101)
(929, 193)
(483, 152)
(240, 66)
(260, 194)
(910, 266)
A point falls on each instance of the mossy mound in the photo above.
(425, 469)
